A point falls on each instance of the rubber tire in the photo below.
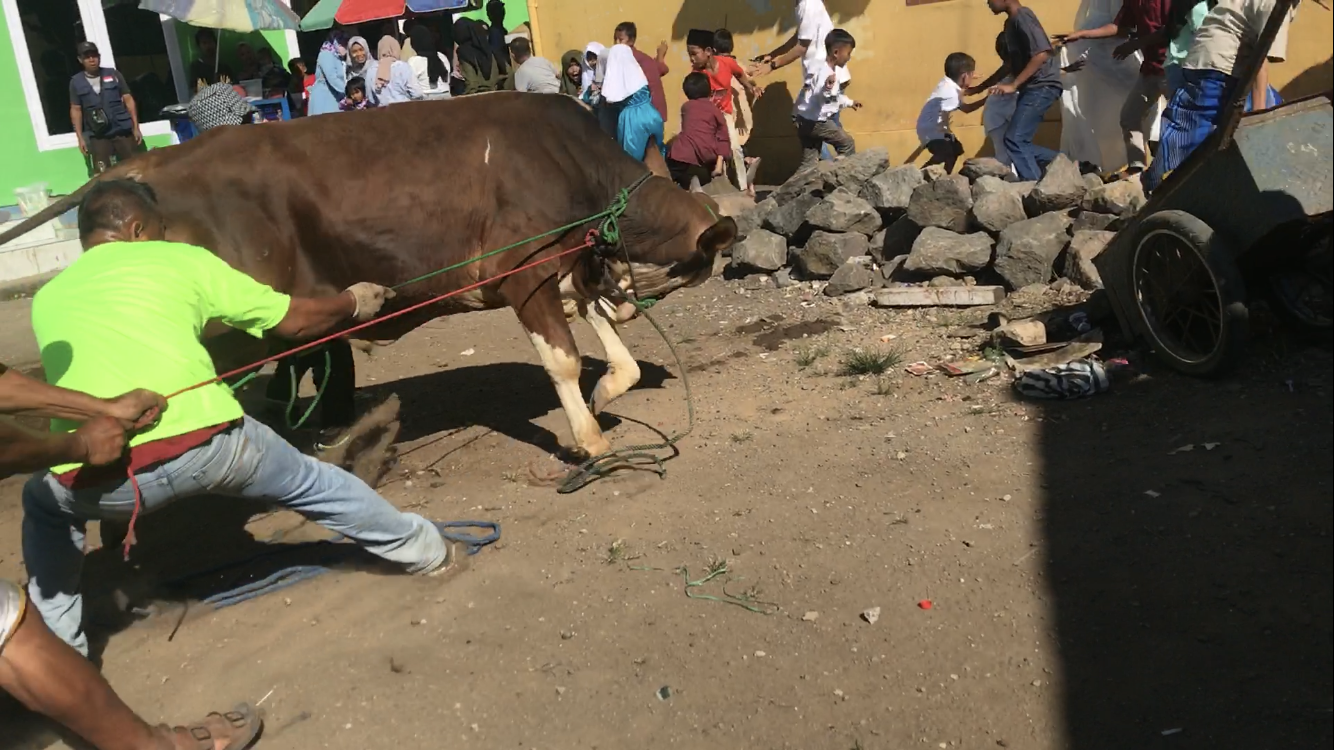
(1218, 259)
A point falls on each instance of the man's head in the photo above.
(207, 42)
(699, 47)
(959, 67)
(89, 57)
(495, 13)
(245, 53)
(120, 211)
(722, 42)
(521, 49)
(1002, 6)
(696, 86)
(356, 89)
(626, 33)
(838, 45)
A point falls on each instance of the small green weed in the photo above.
(869, 362)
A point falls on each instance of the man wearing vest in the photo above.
(103, 113)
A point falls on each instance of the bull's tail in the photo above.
(132, 170)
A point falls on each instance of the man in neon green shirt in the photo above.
(129, 313)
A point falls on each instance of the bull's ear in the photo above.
(718, 237)
(654, 161)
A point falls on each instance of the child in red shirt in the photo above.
(720, 70)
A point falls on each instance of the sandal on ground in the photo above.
(240, 727)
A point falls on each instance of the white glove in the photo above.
(369, 298)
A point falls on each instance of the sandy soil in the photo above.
(1091, 584)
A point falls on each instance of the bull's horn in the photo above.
(695, 187)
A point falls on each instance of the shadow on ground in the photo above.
(1192, 587)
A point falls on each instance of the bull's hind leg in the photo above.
(622, 369)
(543, 318)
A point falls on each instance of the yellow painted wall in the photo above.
(900, 55)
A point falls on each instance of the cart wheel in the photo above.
(1188, 294)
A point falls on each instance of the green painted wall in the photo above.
(64, 169)
(516, 13)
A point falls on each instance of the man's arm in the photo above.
(1034, 63)
(76, 119)
(128, 98)
(308, 317)
(991, 80)
(661, 59)
(792, 49)
(1102, 32)
(23, 450)
(1260, 88)
(26, 396)
(747, 82)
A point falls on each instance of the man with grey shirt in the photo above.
(533, 74)
(1037, 80)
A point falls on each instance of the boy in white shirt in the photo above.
(933, 124)
(820, 100)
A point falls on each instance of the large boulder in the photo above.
(844, 212)
(896, 240)
(853, 276)
(1027, 250)
(788, 217)
(855, 170)
(890, 191)
(994, 212)
(984, 166)
(1060, 188)
(943, 203)
(826, 252)
(1096, 222)
(1120, 197)
(940, 251)
(753, 218)
(761, 251)
(1084, 247)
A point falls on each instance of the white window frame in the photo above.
(95, 28)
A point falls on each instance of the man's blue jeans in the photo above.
(1032, 104)
(247, 461)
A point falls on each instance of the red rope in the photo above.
(138, 496)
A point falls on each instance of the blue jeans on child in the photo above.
(1029, 158)
(247, 461)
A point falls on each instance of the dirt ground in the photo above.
(1092, 583)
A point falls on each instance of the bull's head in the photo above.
(670, 240)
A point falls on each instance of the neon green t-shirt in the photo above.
(129, 315)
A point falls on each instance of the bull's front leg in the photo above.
(543, 318)
(622, 369)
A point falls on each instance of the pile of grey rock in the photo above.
(862, 224)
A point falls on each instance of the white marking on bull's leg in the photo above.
(622, 369)
(563, 370)
(486, 158)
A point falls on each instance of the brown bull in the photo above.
(436, 183)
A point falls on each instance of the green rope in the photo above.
(610, 231)
(291, 400)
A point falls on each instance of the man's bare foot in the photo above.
(234, 730)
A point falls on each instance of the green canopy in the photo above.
(321, 16)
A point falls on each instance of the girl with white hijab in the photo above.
(625, 90)
(595, 57)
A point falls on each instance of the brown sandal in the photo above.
(242, 725)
